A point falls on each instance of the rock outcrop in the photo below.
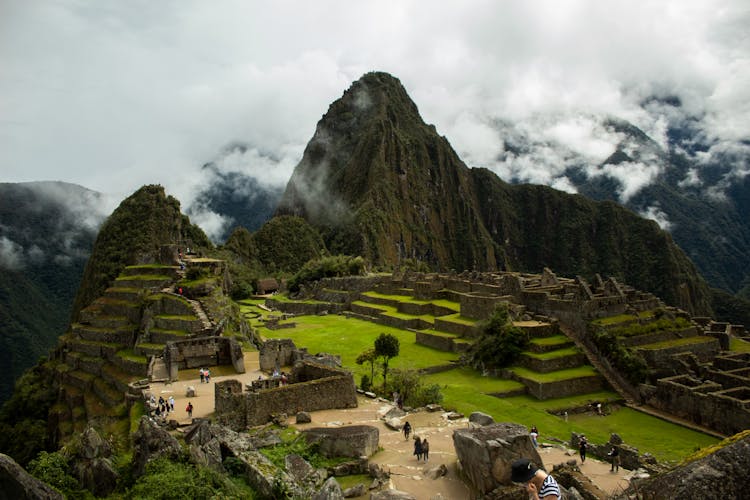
(721, 474)
(151, 442)
(486, 452)
(93, 465)
(17, 484)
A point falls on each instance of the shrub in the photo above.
(410, 386)
(629, 363)
(500, 343)
(365, 383)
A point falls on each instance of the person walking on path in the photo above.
(582, 446)
(189, 409)
(203, 375)
(539, 485)
(614, 453)
(171, 403)
(207, 373)
(407, 430)
(418, 448)
(534, 435)
(425, 449)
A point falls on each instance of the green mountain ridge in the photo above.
(379, 182)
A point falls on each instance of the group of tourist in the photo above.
(163, 407)
(205, 375)
(421, 446)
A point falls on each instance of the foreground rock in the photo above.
(151, 442)
(350, 441)
(722, 474)
(485, 453)
(92, 464)
(17, 484)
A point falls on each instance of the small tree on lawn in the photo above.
(386, 347)
(368, 356)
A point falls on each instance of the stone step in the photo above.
(551, 361)
(559, 384)
(547, 344)
(115, 335)
(105, 350)
(442, 342)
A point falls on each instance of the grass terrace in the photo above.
(676, 342)
(559, 353)
(349, 337)
(581, 371)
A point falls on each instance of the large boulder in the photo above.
(92, 464)
(151, 442)
(350, 441)
(331, 490)
(716, 475)
(486, 453)
(480, 418)
(17, 484)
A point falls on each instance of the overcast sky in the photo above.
(116, 94)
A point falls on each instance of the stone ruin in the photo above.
(202, 351)
(311, 386)
(277, 353)
(485, 454)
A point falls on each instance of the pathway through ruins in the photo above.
(397, 453)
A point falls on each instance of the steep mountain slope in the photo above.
(378, 181)
(46, 233)
(132, 235)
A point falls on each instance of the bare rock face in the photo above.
(93, 465)
(486, 453)
(722, 474)
(150, 442)
(17, 484)
(331, 490)
(350, 441)
(480, 418)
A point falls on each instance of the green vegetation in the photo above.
(500, 342)
(327, 267)
(411, 387)
(658, 325)
(386, 347)
(293, 442)
(168, 480)
(633, 367)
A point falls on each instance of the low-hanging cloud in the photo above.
(113, 95)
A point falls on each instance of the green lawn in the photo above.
(559, 353)
(348, 337)
(581, 371)
(466, 390)
(738, 345)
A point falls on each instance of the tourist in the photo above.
(207, 374)
(539, 485)
(425, 449)
(599, 409)
(565, 415)
(418, 448)
(407, 430)
(189, 409)
(614, 453)
(171, 403)
(534, 435)
(203, 375)
(582, 446)
(283, 378)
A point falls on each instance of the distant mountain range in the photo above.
(46, 233)
(376, 180)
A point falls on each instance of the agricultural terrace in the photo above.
(466, 390)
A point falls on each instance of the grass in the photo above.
(556, 376)
(559, 353)
(349, 337)
(548, 341)
(457, 318)
(738, 345)
(676, 342)
(130, 355)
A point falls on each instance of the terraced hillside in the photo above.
(112, 349)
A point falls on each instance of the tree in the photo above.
(500, 342)
(368, 356)
(386, 347)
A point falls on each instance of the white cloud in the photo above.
(655, 213)
(11, 254)
(113, 95)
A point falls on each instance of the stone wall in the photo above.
(305, 308)
(704, 351)
(553, 364)
(480, 307)
(440, 342)
(275, 353)
(350, 441)
(335, 389)
(203, 351)
(726, 411)
(560, 388)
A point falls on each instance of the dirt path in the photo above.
(397, 453)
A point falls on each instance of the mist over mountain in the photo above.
(377, 181)
(47, 230)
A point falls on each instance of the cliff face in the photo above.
(377, 181)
